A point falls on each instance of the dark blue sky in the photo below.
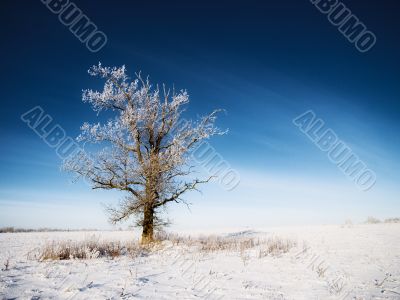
(265, 62)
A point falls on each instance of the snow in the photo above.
(329, 262)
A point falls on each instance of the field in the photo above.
(315, 262)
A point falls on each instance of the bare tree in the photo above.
(146, 146)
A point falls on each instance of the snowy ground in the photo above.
(329, 262)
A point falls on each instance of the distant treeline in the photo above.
(15, 230)
(372, 220)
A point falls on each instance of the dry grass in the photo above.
(94, 248)
(6, 265)
(88, 249)
(217, 243)
(174, 238)
(208, 244)
(245, 246)
(276, 247)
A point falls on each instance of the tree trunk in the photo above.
(148, 225)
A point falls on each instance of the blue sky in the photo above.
(263, 62)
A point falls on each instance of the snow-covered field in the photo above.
(328, 262)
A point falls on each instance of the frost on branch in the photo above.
(145, 145)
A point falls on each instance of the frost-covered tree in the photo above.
(145, 146)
